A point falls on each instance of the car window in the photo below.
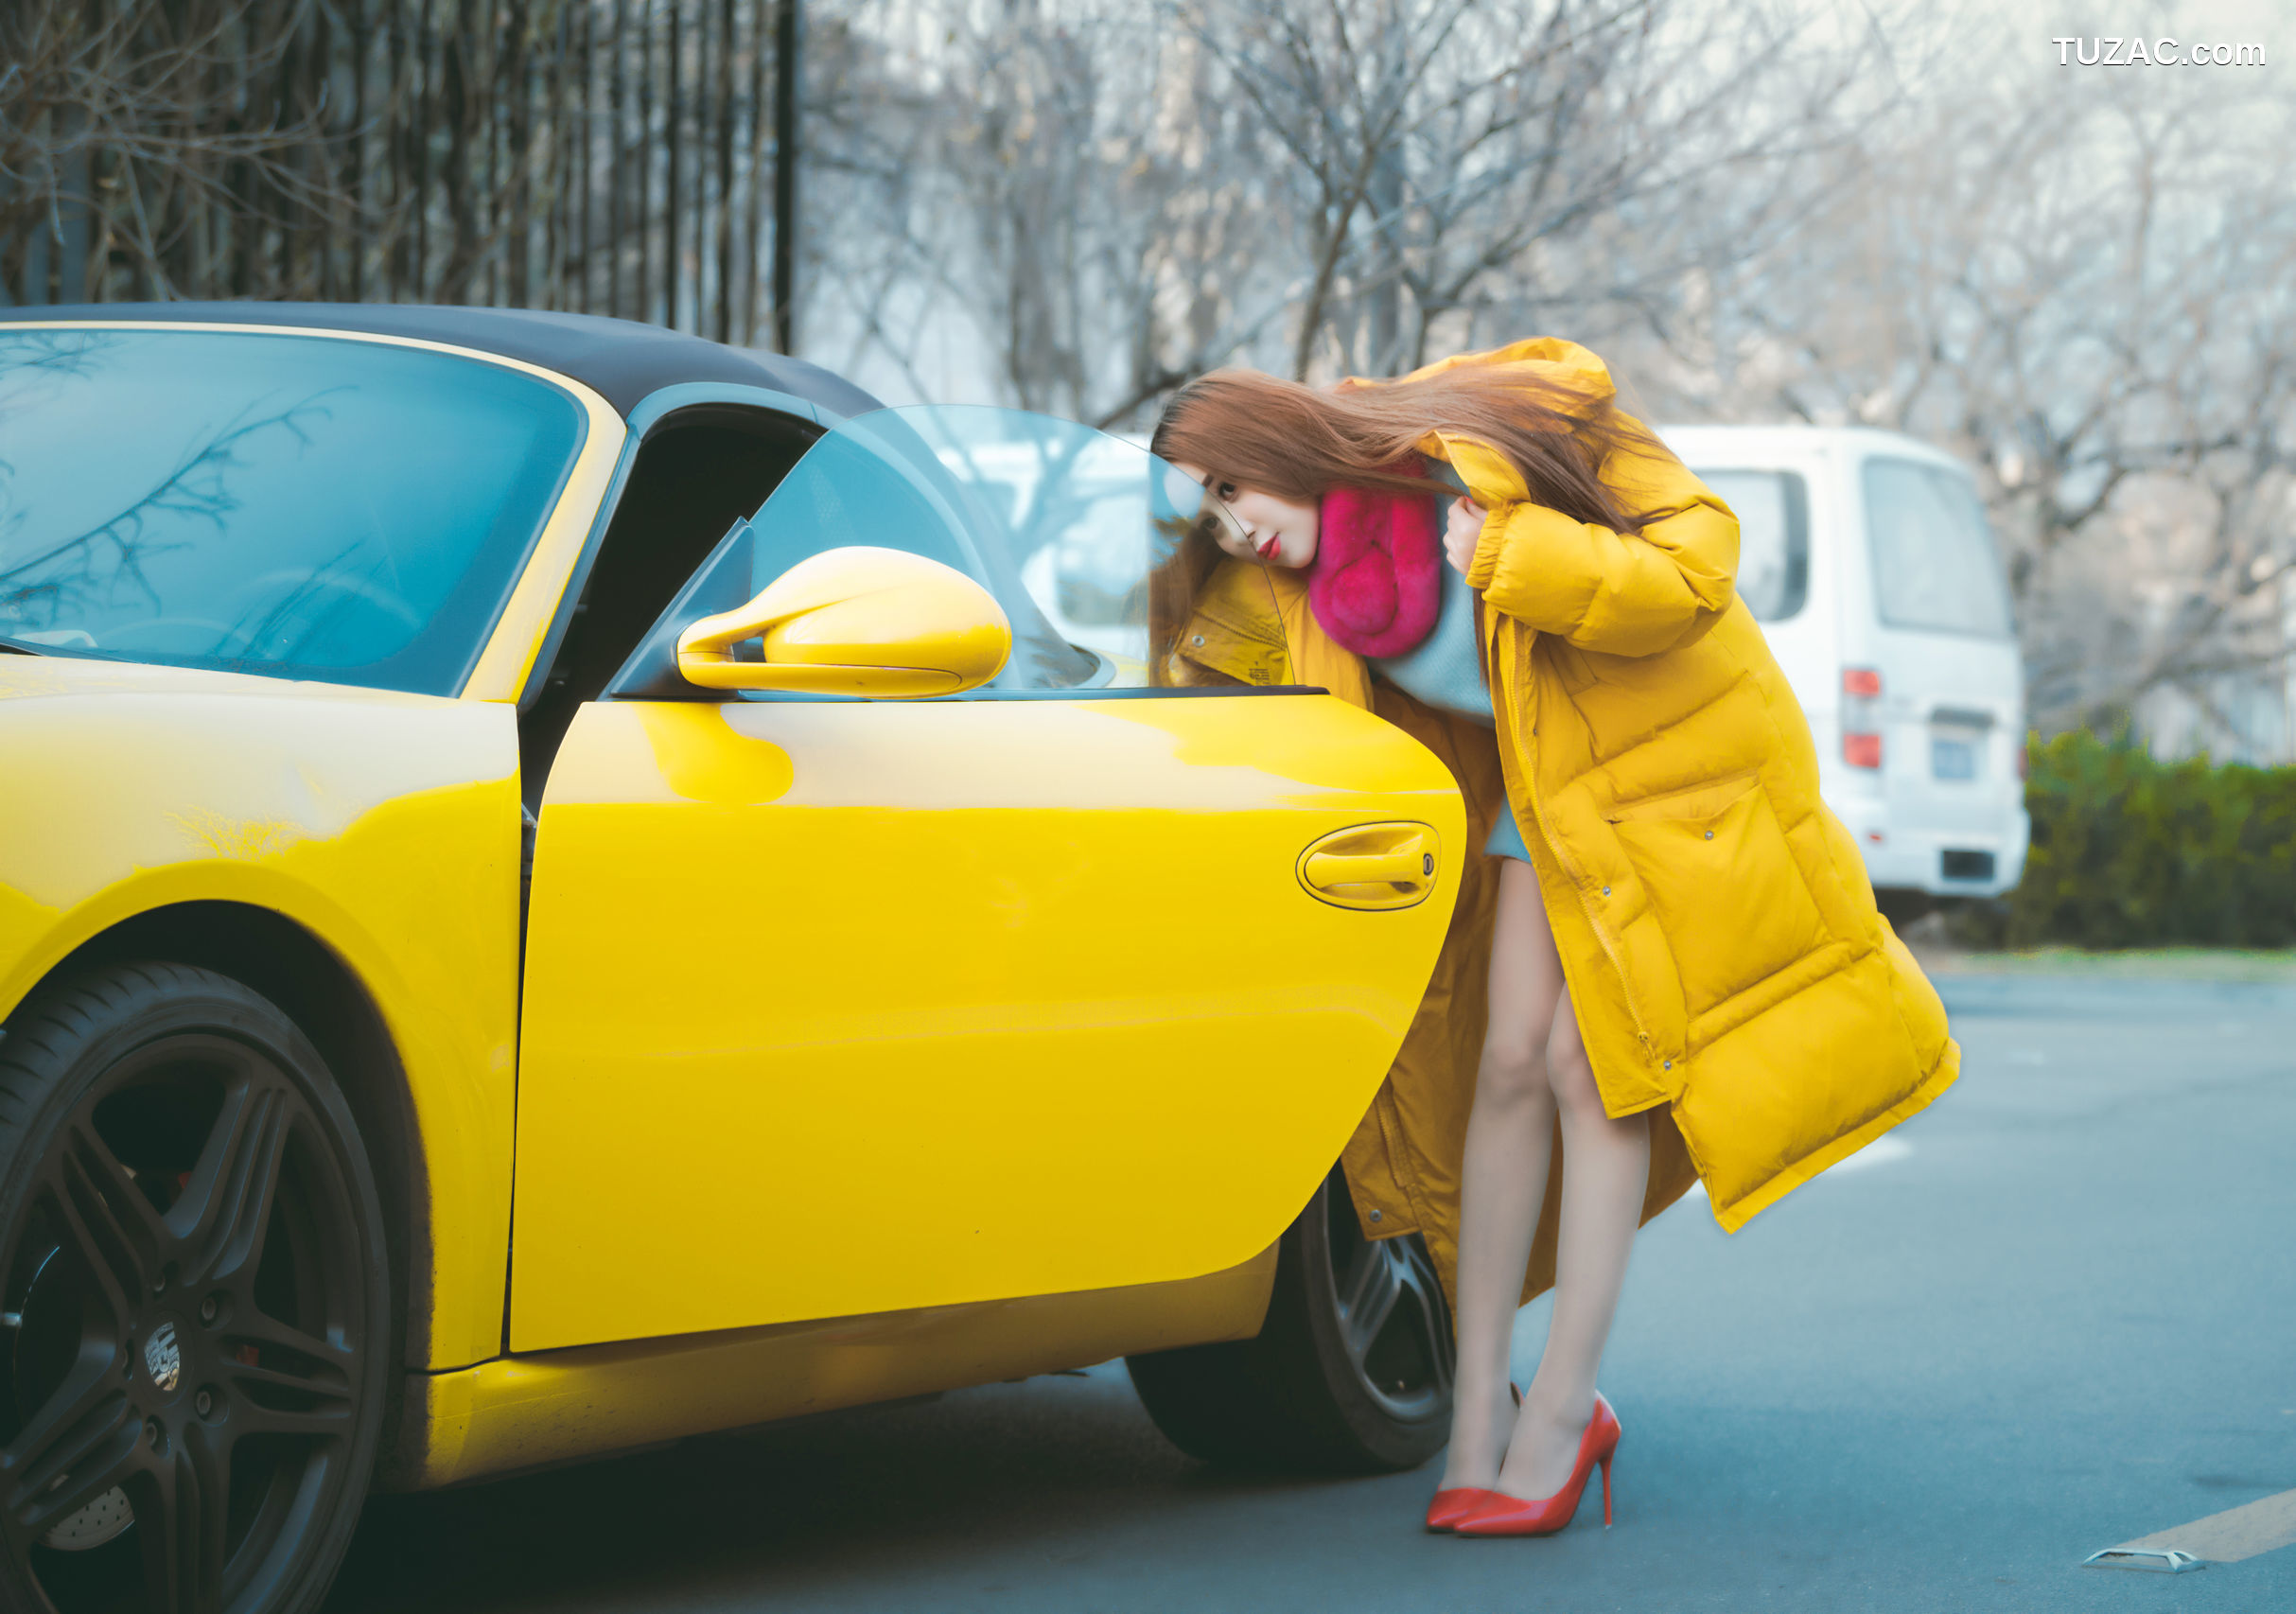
(1090, 544)
(1934, 562)
(347, 510)
(1773, 510)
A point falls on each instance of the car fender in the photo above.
(386, 826)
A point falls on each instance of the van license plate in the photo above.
(1952, 759)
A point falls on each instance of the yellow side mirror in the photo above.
(856, 621)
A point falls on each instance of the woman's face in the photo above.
(1276, 529)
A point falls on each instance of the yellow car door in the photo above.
(839, 1006)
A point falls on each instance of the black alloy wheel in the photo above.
(1351, 1373)
(195, 1339)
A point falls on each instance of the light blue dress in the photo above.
(1444, 670)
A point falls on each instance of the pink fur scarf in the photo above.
(1376, 583)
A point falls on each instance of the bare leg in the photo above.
(1505, 1178)
(1607, 1167)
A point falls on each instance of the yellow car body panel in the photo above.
(840, 1009)
(386, 825)
(526, 1411)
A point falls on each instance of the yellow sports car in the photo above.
(564, 887)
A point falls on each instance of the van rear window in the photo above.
(1934, 562)
(1773, 509)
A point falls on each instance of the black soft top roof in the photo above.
(620, 360)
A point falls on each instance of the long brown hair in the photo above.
(1285, 438)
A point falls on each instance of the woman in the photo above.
(1685, 965)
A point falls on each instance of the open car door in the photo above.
(1076, 980)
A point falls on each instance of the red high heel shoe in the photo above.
(1449, 1507)
(1503, 1515)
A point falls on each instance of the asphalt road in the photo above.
(2056, 1312)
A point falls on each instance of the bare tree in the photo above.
(2085, 286)
(1041, 184)
(1486, 169)
(1095, 200)
(444, 151)
(113, 143)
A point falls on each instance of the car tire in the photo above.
(1350, 1373)
(197, 1335)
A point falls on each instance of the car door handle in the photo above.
(1326, 869)
(1372, 866)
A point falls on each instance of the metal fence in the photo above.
(629, 157)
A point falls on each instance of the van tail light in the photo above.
(2024, 763)
(1861, 722)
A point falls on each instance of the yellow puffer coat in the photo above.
(1729, 968)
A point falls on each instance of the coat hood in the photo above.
(1548, 362)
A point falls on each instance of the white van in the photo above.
(1866, 558)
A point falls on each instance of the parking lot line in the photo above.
(2236, 1534)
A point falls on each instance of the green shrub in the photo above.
(2133, 851)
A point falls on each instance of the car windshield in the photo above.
(309, 507)
(1094, 547)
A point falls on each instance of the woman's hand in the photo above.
(1462, 533)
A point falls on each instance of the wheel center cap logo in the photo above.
(163, 1358)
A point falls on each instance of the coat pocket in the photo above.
(1719, 875)
(1700, 801)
